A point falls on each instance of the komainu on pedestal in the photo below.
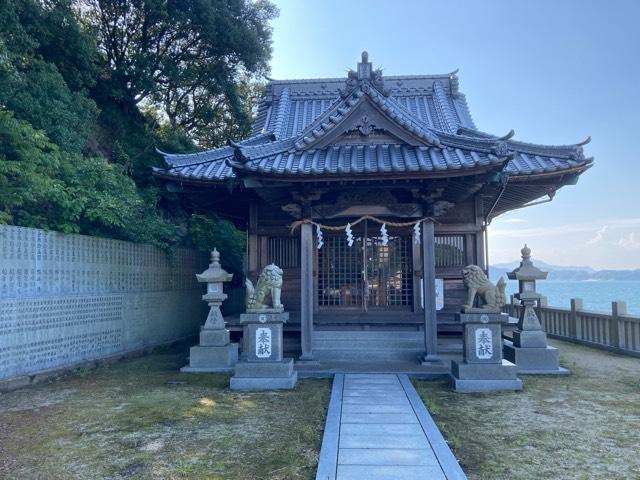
(491, 298)
(262, 366)
(268, 287)
(483, 369)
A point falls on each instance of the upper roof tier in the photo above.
(368, 125)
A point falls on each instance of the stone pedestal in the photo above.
(529, 349)
(483, 369)
(262, 366)
(215, 353)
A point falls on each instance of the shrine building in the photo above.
(371, 193)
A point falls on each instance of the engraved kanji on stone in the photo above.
(263, 342)
(484, 343)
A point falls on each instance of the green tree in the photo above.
(88, 88)
(32, 85)
(41, 186)
(190, 60)
(209, 231)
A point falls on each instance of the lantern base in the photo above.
(534, 361)
(214, 338)
(264, 375)
(529, 338)
(484, 377)
(212, 359)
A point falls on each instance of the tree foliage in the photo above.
(190, 60)
(42, 186)
(89, 88)
(208, 231)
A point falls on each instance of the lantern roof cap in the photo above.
(215, 272)
(527, 270)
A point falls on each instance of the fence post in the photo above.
(575, 326)
(618, 309)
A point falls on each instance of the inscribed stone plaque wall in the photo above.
(69, 298)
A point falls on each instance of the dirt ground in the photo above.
(582, 426)
(142, 419)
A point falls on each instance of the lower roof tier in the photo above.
(221, 165)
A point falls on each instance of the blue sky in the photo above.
(554, 71)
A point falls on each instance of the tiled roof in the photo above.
(293, 105)
(295, 118)
(363, 159)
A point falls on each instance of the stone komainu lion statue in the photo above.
(491, 296)
(269, 285)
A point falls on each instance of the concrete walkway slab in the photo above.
(378, 428)
(386, 472)
(386, 456)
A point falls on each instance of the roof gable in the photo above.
(290, 106)
(367, 124)
(365, 116)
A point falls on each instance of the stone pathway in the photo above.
(378, 428)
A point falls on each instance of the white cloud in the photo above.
(599, 236)
(567, 228)
(514, 220)
(630, 242)
(600, 243)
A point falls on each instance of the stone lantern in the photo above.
(527, 274)
(215, 353)
(529, 349)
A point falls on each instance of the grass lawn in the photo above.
(143, 419)
(582, 426)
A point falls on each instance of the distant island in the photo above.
(558, 272)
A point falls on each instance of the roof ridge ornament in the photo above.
(365, 75)
(365, 67)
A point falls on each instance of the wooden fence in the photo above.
(616, 331)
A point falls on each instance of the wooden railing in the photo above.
(616, 331)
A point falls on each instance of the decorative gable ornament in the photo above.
(365, 126)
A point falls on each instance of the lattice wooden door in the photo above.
(367, 275)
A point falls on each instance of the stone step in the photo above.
(375, 345)
(364, 339)
(325, 354)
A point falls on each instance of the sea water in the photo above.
(596, 295)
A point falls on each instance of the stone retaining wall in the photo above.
(66, 299)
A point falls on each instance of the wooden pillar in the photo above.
(306, 291)
(429, 292)
(575, 324)
(252, 244)
(481, 250)
(618, 310)
(417, 275)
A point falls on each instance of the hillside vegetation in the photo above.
(90, 88)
